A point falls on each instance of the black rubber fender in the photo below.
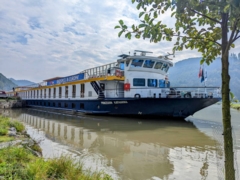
(137, 96)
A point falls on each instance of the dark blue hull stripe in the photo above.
(172, 107)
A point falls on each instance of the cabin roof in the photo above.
(159, 59)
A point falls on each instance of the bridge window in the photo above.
(138, 82)
(158, 65)
(152, 82)
(148, 63)
(137, 63)
(37, 93)
(122, 65)
(165, 67)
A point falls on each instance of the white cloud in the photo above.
(42, 39)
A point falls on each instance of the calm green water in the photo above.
(136, 149)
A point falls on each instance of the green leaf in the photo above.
(117, 27)
(140, 14)
(202, 61)
(120, 33)
(142, 25)
(133, 1)
(121, 22)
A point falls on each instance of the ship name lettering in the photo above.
(120, 102)
(106, 102)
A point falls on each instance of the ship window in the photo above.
(59, 104)
(54, 104)
(137, 63)
(45, 93)
(158, 65)
(65, 105)
(66, 91)
(82, 90)
(81, 106)
(89, 93)
(54, 92)
(127, 62)
(122, 65)
(165, 67)
(73, 91)
(148, 63)
(138, 82)
(49, 93)
(60, 92)
(73, 105)
(152, 82)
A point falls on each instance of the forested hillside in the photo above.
(185, 73)
(5, 83)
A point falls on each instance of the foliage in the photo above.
(19, 163)
(6, 123)
(18, 125)
(209, 26)
(5, 138)
(198, 24)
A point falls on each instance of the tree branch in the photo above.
(198, 39)
(232, 37)
(205, 16)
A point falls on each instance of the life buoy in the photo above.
(127, 87)
(137, 96)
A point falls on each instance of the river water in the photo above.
(137, 149)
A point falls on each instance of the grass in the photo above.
(235, 106)
(19, 163)
(6, 138)
(6, 123)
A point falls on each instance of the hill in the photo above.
(22, 82)
(185, 73)
(5, 83)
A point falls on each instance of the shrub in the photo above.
(18, 125)
(3, 131)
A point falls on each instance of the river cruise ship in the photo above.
(133, 85)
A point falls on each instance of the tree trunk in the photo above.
(227, 128)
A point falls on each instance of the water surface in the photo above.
(133, 148)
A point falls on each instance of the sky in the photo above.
(48, 38)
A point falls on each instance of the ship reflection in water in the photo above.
(127, 148)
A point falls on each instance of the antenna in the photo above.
(166, 56)
(143, 53)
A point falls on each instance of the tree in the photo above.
(210, 26)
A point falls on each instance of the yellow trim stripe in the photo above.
(106, 78)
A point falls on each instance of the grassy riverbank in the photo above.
(19, 161)
(235, 106)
